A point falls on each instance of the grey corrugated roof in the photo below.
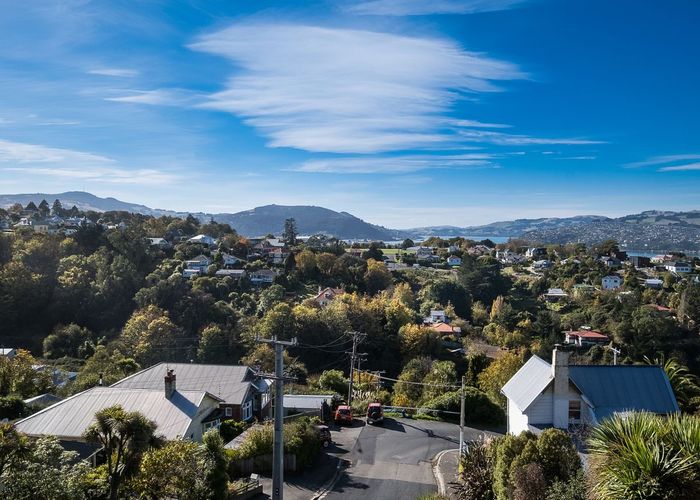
(621, 388)
(69, 418)
(300, 401)
(229, 382)
(528, 382)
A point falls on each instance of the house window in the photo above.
(575, 410)
(248, 410)
(228, 411)
(210, 425)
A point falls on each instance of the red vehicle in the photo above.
(375, 414)
(343, 415)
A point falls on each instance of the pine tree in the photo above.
(57, 208)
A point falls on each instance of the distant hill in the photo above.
(256, 222)
(82, 200)
(506, 228)
(310, 220)
(652, 230)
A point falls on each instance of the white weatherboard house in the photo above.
(611, 282)
(541, 395)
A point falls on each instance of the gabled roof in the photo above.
(587, 334)
(620, 388)
(69, 418)
(229, 382)
(441, 327)
(528, 382)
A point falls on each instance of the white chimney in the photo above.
(169, 380)
(560, 372)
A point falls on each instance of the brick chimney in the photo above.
(169, 383)
(560, 372)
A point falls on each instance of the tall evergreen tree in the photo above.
(290, 231)
(57, 208)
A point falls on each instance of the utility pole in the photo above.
(278, 438)
(615, 353)
(353, 357)
(461, 418)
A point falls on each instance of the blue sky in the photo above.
(402, 112)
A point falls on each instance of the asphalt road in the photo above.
(393, 461)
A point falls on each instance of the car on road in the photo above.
(343, 415)
(324, 435)
(375, 414)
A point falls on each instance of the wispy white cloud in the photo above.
(477, 124)
(576, 158)
(680, 168)
(396, 164)
(19, 152)
(35, 159)
(118, 72)
(102, 174)
(157, 97)
(660, 160)
(502, 139)
(425, 7)
(347, 91)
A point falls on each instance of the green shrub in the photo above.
(301, 438)
(230, 429)
(478, 407)
(12, 407)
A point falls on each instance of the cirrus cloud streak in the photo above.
(347, 91)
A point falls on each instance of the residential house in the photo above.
(654, 283)
(453, 260)
(263, 276)
(421, 252)
(161, 243)
(236, 274)
(610, 262)
(581, 290)
(541, 265)
(178, 414)
(277, 256)
(536, 253)
(445, 329)
(509, 257)
(200, 263)
(203, 239)
(478, 250)
(8, 352)
(231, 260)
(678, 266)
(611, 282)
(585, 336)
(436, 316)
(42, 401)
(241, 394)
(555, 295)
(191, 273)
(560, 395)
(308, 404)
(661, 259)
(639, 261)
(326, 295)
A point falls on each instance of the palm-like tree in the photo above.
(124, 436)
(642, 455)
(685, 385)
